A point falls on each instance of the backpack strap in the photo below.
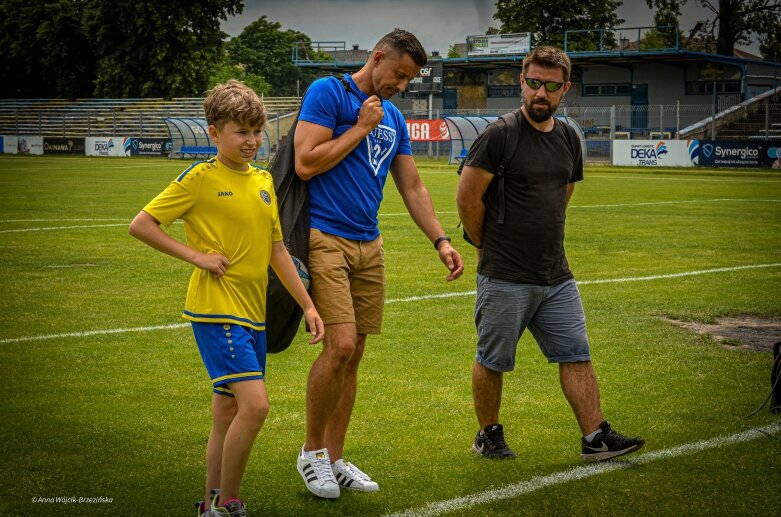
(511, 137)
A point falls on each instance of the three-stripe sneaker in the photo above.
(315, 469)
(351, 477)
(608, 444)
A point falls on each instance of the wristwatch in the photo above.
(439, 241)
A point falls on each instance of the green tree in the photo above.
(452, 52)
(147, 48)
(770, 41)
(224, 71)
(265, 50)
(548, 20)
(734, 21)
(46, 52)
(667, 14)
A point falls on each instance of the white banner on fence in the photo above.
(13, 144)
(107, 146)
(491, 45)
(652, 153)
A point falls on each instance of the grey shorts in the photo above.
(553, 314)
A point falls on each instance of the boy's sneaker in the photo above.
(231, 508)
(204, 507)
(315, 469)
(490, 443)
(608, 444)
(351, 477)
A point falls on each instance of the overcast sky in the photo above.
(437, 23)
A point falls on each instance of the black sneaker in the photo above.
(491, 443)
(608, 444)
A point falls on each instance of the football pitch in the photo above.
(106, 403)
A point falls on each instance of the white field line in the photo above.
(395, 300)
(663, 177)
(618, 205)
(62, 220)
(602, 281)
(94, 333)
(576, 473)
(50, 228)
(397, 214)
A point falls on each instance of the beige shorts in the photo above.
(348, 280)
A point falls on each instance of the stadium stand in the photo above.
(107, 117)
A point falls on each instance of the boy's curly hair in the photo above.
(234, 101)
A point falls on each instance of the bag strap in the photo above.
(511, 137)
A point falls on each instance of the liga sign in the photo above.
(498, 44)
(428, 130)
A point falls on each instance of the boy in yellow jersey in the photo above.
(229, 210)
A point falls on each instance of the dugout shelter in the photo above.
(190, 138)
(465, 130)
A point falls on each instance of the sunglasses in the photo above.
(550, 86)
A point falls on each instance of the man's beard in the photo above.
(541, 111)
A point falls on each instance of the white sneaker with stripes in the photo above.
(315, 469)
(352, 478)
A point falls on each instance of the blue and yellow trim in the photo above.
(224, 318)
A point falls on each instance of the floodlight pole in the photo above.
(430, 106)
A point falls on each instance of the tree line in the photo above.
(143, 48)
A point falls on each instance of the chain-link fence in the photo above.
(601, 125)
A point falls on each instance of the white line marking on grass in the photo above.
(402, 300)
(576, 473)
(61, 220)
(50, 228)
(663, 177)
(602, 281)
(89, 333)
(650, 203)
(56, 266)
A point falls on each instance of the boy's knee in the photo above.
(224, 411)
(256, 412)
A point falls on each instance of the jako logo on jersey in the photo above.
(380, 143)
(265, 196)
(224, 193)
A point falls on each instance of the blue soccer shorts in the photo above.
(231, 353)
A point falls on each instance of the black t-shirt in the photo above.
(529, 246)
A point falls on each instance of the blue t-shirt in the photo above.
(344, 201)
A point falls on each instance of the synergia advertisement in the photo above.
(720, 153)
(706, 153)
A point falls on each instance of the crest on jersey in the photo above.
(265, 196)
(380, 143)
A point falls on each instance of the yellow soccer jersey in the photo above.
(233, 213)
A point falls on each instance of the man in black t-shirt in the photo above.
(523, 278)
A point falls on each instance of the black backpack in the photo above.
(283, 315)
(510, 130)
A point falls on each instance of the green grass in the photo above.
(126, 415)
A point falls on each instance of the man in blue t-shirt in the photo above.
(349, 136)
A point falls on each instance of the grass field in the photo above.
(104, 394)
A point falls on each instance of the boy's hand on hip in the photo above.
(213, 262)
